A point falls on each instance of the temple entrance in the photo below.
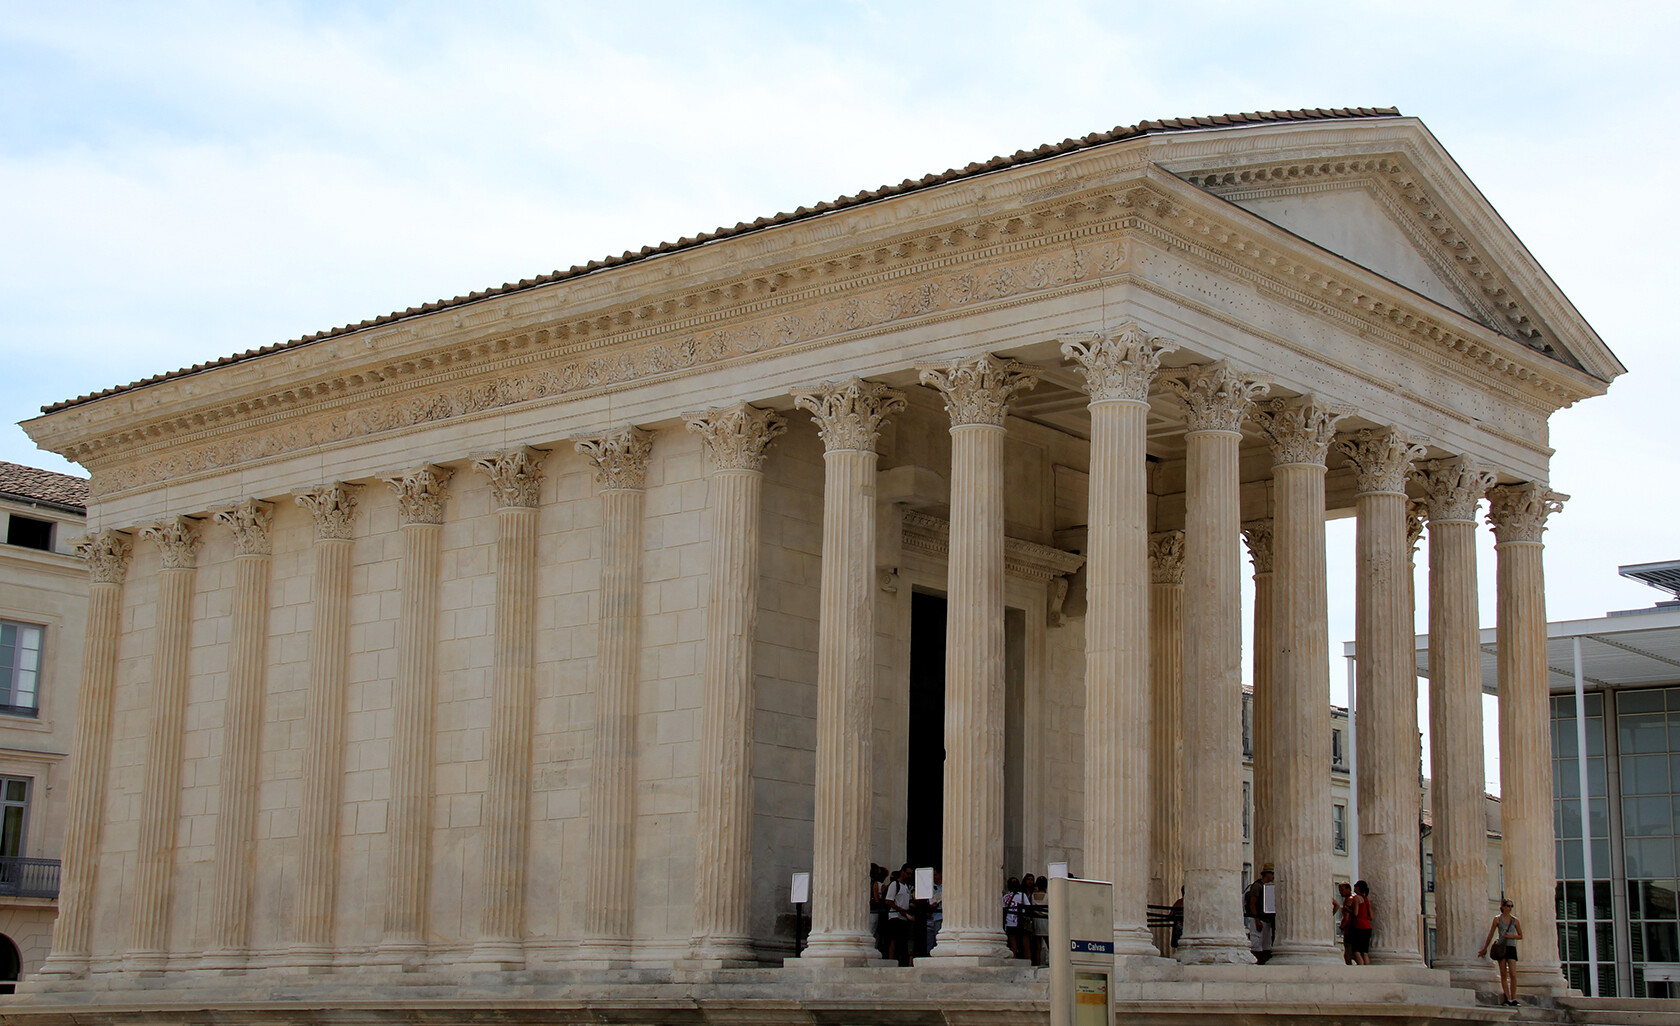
(924, 804)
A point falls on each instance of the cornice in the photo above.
(931, 536)
(981, 261)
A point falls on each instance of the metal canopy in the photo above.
(1634, 649)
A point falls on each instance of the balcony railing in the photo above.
(28, 878)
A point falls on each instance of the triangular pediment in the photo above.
(1387, 197)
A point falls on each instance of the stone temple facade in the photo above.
(510, 652)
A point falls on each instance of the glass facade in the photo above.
(1571, 887)
(1648, 739)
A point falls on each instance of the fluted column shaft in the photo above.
(1300, 431)
(848, 416)
(334, 509)
(241, 734)
(1166, 737)
(976, 396)
(1518, 514)
(420, 501)
(736, 440)
(177, 542)
(107, 555)
(1118, 369)
(1258, 534)
(1455, 717)
(1385, 690)
(1216, 399)
(621, 465)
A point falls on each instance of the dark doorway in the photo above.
(11, 965)
(925, 767)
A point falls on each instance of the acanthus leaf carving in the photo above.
(177, 540)
(1452, 488)
(1518, 512)
(1166, 557)
(736, 437)
(1299, 430)
(334, 508)
(421, 493)
(250, 521)
(848, 414)
(1258, 535)
(1120, 365)
(107, 554)
(620, 459)
(978, 391)
(515, 475)
(1216, 396)
(1381, 460)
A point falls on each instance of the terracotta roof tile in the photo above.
(20, 482)
(1020, 157)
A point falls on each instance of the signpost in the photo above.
(1081, 953)
(801, 894)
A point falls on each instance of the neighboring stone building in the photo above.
(43, 609)
(529, 641)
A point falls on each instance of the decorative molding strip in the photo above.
(931, 536)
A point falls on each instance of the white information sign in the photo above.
(924, 884)
(1058, 871)
(801, 888)
(1268, 899)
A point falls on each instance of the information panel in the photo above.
(1081, 953)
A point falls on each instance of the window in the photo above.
(20, 667)
(1428, 873)
(1338, 827)
(1338, 757)
(14, 815)
(1248, 727)
(29, 533)
(1248, 798)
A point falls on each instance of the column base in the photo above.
(1304, 954)
(1543, 978)
(314, 958)
(738, 951)
(980, 944)
(64, 966)
(1134, 940)
(1396, 958)
(1474, 973)
(497, 954)
(225, 960)
(837, 948)
(405, 953)
(146, 961)
(601, 953)
(1213, 951)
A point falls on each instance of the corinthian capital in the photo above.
(250, 522)
(1118, 366)
(1518, 512)
(420, 493)
(107, 554)
(333, 506)
(1452, 488)
(177, 541)
(1299, 430)
(621, 459)
(1166, 557)
(849, 414)
(978, 391)
(1216, 396)
(1258, 535)
(515, 475)
(736, 437)
(1417, 512)
(1381, 459)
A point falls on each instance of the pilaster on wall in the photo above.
(621, 464)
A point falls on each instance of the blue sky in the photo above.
(183, 181)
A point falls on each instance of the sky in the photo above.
(179, 182)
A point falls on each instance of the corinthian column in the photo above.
(177, 541)
(736, 439)
(107, 555)
(1216, 397)
(1452, 488)
(977, 394)
(1300, 432)
(1258, 535)
(334, 509)
(515, 480)
(1118, 369)
(848, 417)
(241, 731)
(1518, 514)
(1386, 689)
(420, 500)
(621, 462)
(1166, 738)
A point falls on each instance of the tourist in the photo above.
(1013, 899)
(878, 906)
(1502, 937)
(936, 911)
(1262, 923)
(1339, 910)
(1178, 919)
(1040, 895)
(898, 897)
(1356, 931)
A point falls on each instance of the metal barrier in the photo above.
(28, 878)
